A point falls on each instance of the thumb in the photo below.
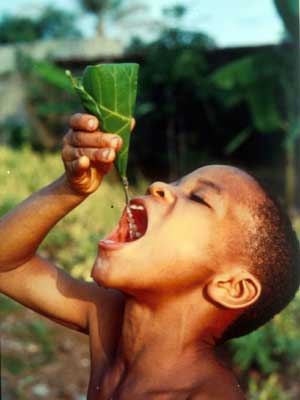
(78, 167)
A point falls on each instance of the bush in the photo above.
(274, 343)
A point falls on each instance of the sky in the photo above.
(228, 22)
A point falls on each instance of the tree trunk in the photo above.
(172, 150)
(290, 175)
(100, 30)
(182, 147)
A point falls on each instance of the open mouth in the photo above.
(132, 225)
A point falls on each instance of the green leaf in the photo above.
(262, 101)
(251, 79)
(52, 74)
(237, 141)
(245, 71)
(108, 91)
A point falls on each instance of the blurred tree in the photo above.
(100, 8)
(289, 12)
(176, 12)
(110, 11)
(17, 29)
(51, 23)
(174, 70)
(57, 23)
(268, 83)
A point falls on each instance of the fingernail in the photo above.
(91, 123)
(115, 142)
(106, 154)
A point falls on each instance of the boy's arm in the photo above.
(87, 155)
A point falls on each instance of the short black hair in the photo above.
(274, 258)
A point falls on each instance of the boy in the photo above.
(214, 258)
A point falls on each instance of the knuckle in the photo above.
(74, 118)
(99, 139)
(66, 137)
(63, 154)
(79, 152)
(78, 116)
(76, 139)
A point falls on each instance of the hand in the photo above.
(88, 154)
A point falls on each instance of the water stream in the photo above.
(131, 223)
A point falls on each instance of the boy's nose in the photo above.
(163, 191)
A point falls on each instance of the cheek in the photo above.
(182, 253)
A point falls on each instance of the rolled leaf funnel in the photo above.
(108, 91)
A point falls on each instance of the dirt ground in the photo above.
(40, 359)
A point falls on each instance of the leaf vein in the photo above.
(116, 114)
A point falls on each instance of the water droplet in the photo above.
(130, 218)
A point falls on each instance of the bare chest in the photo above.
(109, 383)
(102, 392)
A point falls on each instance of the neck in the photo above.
(167, 335)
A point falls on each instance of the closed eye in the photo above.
(199, 199)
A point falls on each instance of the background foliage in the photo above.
(195, 102)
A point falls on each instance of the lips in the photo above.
(130, 228)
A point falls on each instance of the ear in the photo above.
(235, 290)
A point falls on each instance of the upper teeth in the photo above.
(137, 207)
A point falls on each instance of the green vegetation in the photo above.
(273, 344)
(51, 23)
(270, 389)
(256, 80)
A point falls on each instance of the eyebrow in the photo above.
(210, 184)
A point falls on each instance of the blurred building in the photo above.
(63, 52)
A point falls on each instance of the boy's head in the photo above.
(215, 231)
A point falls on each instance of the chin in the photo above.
(115, 271)
(101, 272)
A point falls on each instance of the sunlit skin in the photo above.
(158, 305)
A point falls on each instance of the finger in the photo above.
(94, 139)
(104, 155)
(78, 167)
(133, 123)
(85, 122)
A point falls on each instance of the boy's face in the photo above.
(190, 230)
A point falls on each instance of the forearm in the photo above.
(23, 229)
